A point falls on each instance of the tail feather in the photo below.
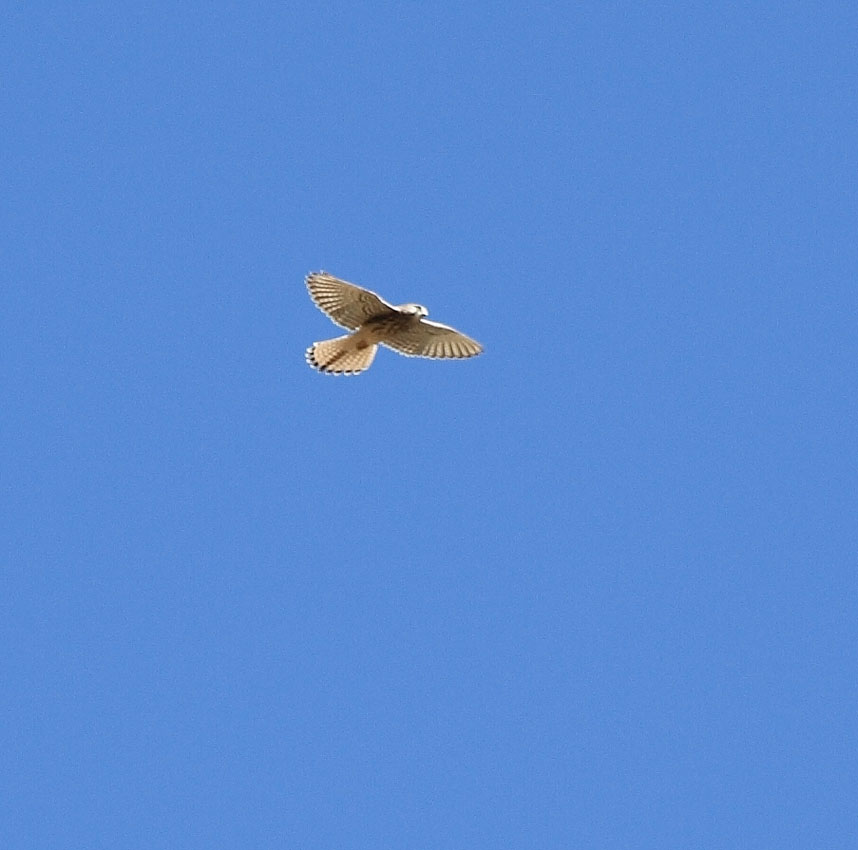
(341, 356)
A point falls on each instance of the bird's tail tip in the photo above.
(340, 356)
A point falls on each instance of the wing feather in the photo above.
(346, 304)
(431, 339)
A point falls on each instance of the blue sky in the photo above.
(595, 588)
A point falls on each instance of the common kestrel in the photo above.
(404, 328)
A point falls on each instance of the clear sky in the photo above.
(595, 588)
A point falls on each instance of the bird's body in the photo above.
(374, 322)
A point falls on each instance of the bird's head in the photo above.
(414, 310)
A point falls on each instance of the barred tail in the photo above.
(341, 356)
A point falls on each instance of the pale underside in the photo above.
(375, 321)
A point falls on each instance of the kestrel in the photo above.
(404, 328)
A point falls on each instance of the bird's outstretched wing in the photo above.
(431, 339)
(348, 305)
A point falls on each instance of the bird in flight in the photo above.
(374, 322)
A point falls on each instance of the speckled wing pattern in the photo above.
(431, 339)
(346, 304)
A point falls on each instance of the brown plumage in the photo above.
(404, 329)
